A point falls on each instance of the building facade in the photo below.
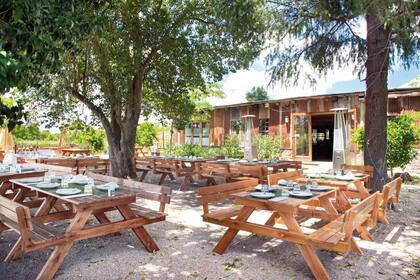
(304, 125)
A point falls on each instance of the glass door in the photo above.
(301, 136)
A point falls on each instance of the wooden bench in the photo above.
(337, 235)
(160, 194)
(211, 171)
(144, 166)
(274, 178)
(181, 170)
(95, 165)
(17, 217)
(220, 193)
(390, 196)
(165, 168)
(239, 172)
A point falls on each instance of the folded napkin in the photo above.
(109, 185)
(79, 178)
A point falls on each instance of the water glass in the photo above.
(284, 192)
(65, 182)
(296, 187)
(88, 188)
(264, 188)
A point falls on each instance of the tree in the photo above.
(33, 34)
(256, 94)
(415, 82)
(323, 34)
(154, 52)
(146, 134)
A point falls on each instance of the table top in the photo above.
(97, 197)
(332, 181)
(5, 176)
(289, 204)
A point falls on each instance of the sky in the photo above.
(235, 85)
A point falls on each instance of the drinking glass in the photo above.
(296, 187)
(284, 192)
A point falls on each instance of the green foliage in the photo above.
(268, 147)
(415, 82)
(34, 34)
(31, 135)
(358, 137)
(403, 135)
(11, 113)
(146, 134)
(192, 150)
(402, 138)
(232, 147)
(324, 34)
(256, 94)
(87, 136)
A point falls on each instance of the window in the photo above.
(263, 128)
(235, 121)
(197, 134)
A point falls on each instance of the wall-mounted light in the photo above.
(286, 119)
(266, 105)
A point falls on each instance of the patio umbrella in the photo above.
(61, 141)
(249, 147)
(6, 140)
(340, 138)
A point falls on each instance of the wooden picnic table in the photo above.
(286, 212)
(6, 176)
(75, 151)
(79, 210)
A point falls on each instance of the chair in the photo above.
(274, 178)
(390, 197)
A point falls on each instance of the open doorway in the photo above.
(322, 137)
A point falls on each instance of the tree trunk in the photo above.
(376, 95)
(122, 150)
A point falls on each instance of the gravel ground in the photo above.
(186, 250)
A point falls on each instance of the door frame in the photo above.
(320, 114)
(292, 122)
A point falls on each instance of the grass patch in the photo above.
(415, 181)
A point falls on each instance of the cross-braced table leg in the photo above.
(60, 252)
(231, 233)
(307, 251)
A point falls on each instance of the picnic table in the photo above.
(336, 235)
(35, 233)
(75, 151)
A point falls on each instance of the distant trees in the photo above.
(146, 134)
(257, 93)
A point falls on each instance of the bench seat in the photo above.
(149, 214)
(222, 214)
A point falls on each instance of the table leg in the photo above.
(103, 219)
(231, 233)
(307, 251)
(140, 232)
(60, 252)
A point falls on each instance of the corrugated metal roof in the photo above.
(392, 93)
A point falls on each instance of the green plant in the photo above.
(268, 147)
(86, 136)
(358, 137)
(402, 137)
(192, 150)
(232, 147)
(146, 134)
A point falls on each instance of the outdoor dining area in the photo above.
(331, 210)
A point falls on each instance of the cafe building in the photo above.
(304, 125)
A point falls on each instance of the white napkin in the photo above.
(79, 178)
(109, 185)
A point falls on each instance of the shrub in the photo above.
(192, 150)
(268, 147)
(146, 134)
(232, 147)
(402, 137)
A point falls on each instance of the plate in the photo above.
(31, 180)
(105, 187)
(344, 178)
(47, 185)
(300, 194)
(269, 189)
(68, 191)
(263, 195)
(315, 176)
(359, 175)
(320, 188)
(79, 181)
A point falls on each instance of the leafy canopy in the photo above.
(325, 35)
(146, 134)
(256, 94)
